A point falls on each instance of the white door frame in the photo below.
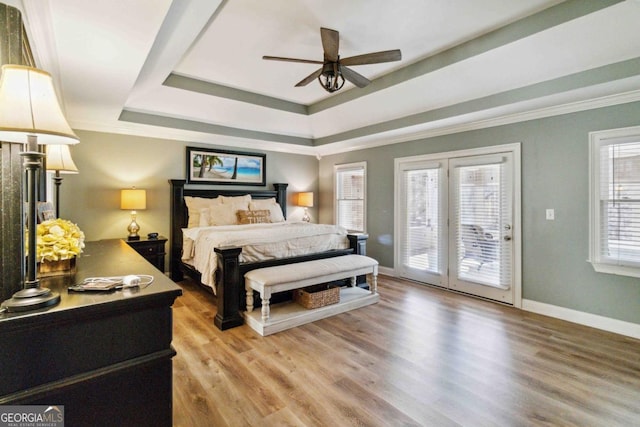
(515, 149)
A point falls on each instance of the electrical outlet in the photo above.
(551, 214)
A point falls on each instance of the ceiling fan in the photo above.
(334, 70)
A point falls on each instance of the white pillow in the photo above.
(276, 213)
(222, 214)
(205, 214)
(261, 204)
(241, 201)
(195, 205)
(233, 204)
(275, 210)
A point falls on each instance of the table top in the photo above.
(101, 258)
(144, 239)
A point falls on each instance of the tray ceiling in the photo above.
(193, 70)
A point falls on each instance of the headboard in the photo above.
(179, 213)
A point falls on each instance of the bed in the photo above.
(230, 266)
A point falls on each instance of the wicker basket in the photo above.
(317, 296)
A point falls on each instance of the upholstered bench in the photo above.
(270, 280)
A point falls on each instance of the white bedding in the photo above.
(258, 242)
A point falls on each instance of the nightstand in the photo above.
(151, 249)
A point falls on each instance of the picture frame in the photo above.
(45, 211)
(224, 167)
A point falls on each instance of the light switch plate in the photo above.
(551, 214)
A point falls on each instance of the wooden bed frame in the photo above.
(230, 272)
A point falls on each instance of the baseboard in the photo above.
(580, 317)
(587, 319)
(387, 271)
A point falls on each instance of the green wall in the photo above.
(554, 175)
(110, 162)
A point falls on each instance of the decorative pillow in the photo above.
(222, 214)
(195, 205)
(275, 210)
(253, 217)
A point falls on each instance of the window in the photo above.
(350, 193)
(615, 201)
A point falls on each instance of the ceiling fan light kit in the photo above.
(333, 73)
(331, 80)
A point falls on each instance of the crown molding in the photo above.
(362, 143)
(505, 119)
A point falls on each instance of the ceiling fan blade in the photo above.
(355, 78)
(373, 58)
(280, 58)
(330, 43)
(311, 77)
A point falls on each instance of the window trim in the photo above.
(596, 140)
(343, 168)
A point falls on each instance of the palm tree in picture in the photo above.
(207, 163)
(235, 169)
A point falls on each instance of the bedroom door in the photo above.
(455, 222)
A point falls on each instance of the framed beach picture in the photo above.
(209, 166)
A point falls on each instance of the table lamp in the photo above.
(59, 161)
(305, 200)
(30, 114)
(133, 200)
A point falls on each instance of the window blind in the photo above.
(481, 214)
(420, 245)
(350, 197)
(619, 201)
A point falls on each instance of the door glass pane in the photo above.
(480, 221)
(420, 244)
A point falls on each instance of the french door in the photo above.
(455, 222)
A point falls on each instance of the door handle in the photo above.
(507, 238)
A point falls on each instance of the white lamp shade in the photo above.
(29, 106)
(133, 199)
(59, 159)
(305, 199)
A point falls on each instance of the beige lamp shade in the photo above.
(133, 199)
(29, 106)
(30, 114)
(305, 199)
(59, 159)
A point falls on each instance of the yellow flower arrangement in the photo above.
(58, 239)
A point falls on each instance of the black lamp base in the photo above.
(31, 299)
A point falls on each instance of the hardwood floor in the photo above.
(420, 357)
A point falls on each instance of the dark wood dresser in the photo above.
(152, 249)
(106, 357)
